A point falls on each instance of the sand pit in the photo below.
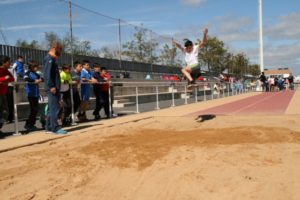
(162, 158)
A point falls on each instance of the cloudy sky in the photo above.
(235, 22)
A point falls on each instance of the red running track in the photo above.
(268, 103)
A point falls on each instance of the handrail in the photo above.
(203, 87)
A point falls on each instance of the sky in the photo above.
(233, 21)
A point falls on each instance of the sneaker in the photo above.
(114, 115)
(97, 117)
(190, 86)
(61, 132)
(30, 128)
(9, 121)
(82, 117)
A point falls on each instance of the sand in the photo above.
(162, 157)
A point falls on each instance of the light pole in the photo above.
(72, 61)
(261, 41)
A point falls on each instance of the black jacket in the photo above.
(51, 73)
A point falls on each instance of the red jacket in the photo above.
(4, 82)
(105, 86)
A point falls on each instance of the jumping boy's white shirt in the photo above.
(192, 58)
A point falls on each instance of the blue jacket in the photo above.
(51, 74)
(19, 68)
(31, 89)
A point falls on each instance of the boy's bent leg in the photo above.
(186, 72)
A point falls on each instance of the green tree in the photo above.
(30, 45)
(49, 38)
(83, 47)
(141, 48)
(254, 69)
(213, 54)
(168, 56)
(109, 52)
(241, 63)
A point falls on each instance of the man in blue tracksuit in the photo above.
(32, 90)
(52, 88)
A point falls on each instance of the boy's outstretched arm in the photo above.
(177, 45)
(204, 38)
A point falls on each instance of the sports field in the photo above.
(248, 148)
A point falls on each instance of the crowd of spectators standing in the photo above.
(276, 83)
(63, 86)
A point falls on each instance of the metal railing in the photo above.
(175, 93)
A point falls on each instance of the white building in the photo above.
(279, 72)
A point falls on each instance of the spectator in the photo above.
(291, 81)
(148, 77)
(280, 84)
(52, 88)
(76, 80)
(275, 83)
(33, 94)
(66, 80)
(263, 81)
(18, 69)
(216, 89)
(271, 83)
(97, 91)
(85, 78)
(5, 78)
(104, 92)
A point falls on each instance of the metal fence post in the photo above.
(72, 104)
(204, 93)
(228, 90)
(219, 91)
(212, 91)
(137, 99)
(109, 101)
(72, 61)
(185, 95)
(196, 94)
(173, 98)
(223, 93)
(157, 99)
(15, 110)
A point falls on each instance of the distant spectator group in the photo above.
(276, 83)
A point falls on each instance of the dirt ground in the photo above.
(162, 157)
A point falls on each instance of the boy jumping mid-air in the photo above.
(191, 56)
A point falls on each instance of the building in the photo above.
(279, 72)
